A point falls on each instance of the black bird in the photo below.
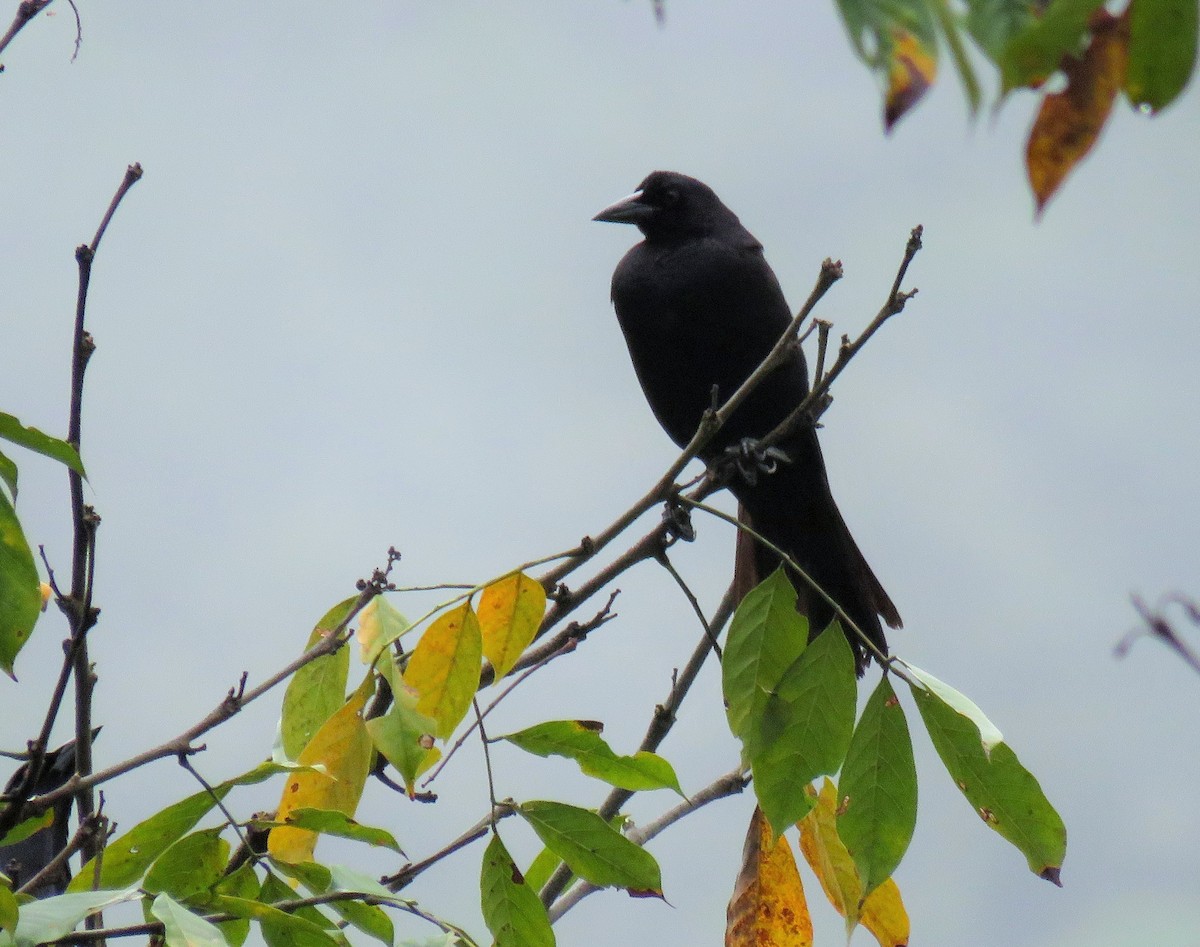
(699, 307)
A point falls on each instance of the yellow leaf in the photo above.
(883, 912)
(343, 748)
(912, 68)
(768, 905)
(510, 612)
(46, 593)
(444, 668)
(827, 856)
(884, 916)
(1070, 121)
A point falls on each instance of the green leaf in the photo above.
(405, 737)
(989, 733)
(279, 928)
(183, 928)
(302, 927)
(511, 909)
(1162, 50)
(8, 909)
(766, 636)
(318, 690)
(22, 830)
(1003, 793)
(952, 33)
(580, 740)
(332, 822)
(541, 868)
(20, 590)
(806, 728)
(368, 918)
(56, 917)
(593, 849)
(128, 857)
(878, 789)
(1033, 55)
(8, 475)
(192, 865)
(992, 23)
(13, 430)
(242, 882)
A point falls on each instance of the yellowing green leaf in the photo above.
(768, 904)
(827, 856)
(379, 624)
(318, 689)
(444, 669)
(20, 591)
(1070, 121)
(911, 71)
(343, 748)
(510, 612)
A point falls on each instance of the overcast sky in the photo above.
(357, 301)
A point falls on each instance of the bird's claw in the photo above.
(677, 520)
(750, 458)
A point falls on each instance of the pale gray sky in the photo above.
(357, 300)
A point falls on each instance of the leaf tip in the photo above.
(1053, 874)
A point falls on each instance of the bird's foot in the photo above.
(677, 520)
(750, 459)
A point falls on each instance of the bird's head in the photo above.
(671, 205)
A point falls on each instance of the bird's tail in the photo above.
(794, 510)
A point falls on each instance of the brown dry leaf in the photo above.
(768, 905)
(911, 71)
(1069, 122)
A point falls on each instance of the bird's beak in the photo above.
(628, 210)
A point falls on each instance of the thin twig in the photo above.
(665, 562)
(577, 633)
(230, 705)
(408, 873)
(661, 722)
(26, 11)
(1156, 626)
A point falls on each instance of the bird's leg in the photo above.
(749, 458)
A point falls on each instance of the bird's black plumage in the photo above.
(699, 306)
